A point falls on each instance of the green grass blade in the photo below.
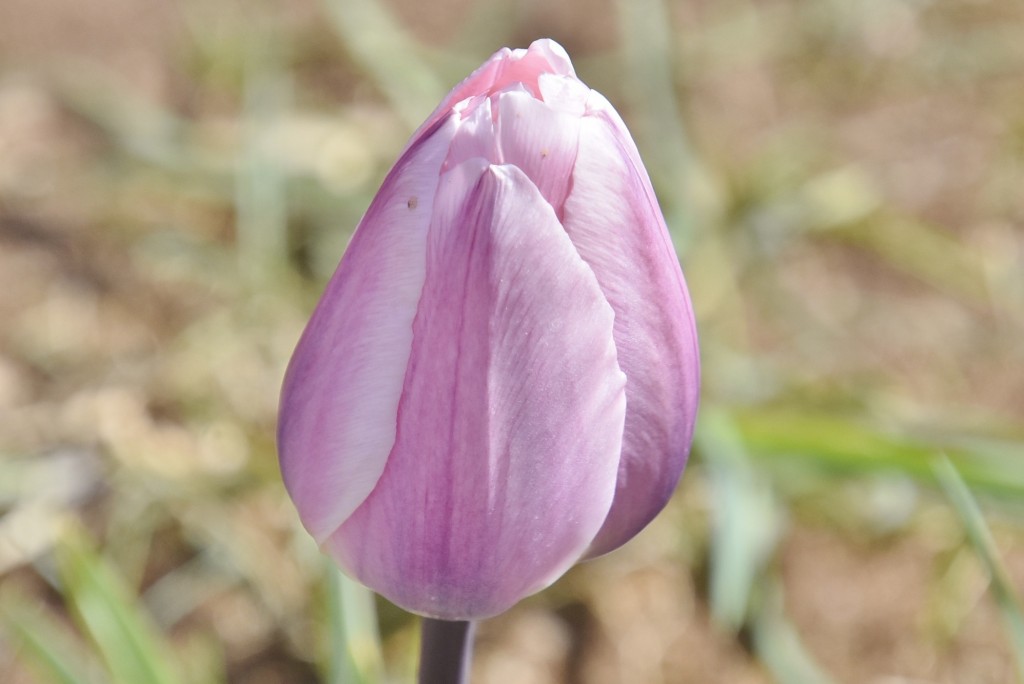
(745, 524)
(649, 57)
(847, 446)
(261, 196)
(779, 646)
(925, 252)
(46, 646)
(354, 649)
(379, 45)
(985, 546)
(125, 637)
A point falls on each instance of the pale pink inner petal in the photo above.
(511, 419)
(525, 68)
(504, 68)
(475, 137)
(565, 93)
(613, 219)
(541, 141)
(341, 392)
(554, 55)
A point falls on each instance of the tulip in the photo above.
(501, 377)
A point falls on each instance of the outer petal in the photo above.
(341, 391)
(510, 425)
(614, 221)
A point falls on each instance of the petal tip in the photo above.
(555, 55)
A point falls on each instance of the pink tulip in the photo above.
(501, 378)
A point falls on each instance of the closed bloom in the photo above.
(501, 377)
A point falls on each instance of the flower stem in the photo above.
(445, 651)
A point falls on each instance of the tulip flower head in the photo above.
(501, 377)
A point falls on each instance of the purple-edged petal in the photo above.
(341, 391)
(613, 219)
(510, 425)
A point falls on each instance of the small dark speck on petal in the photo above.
(544, 152)
(413, 201)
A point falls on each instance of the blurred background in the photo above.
(845, 185)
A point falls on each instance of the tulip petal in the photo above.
(510, 425)
(541, 141)
(342, 388)
(505, 68)
(612, 218)
(565, 93)
(475, 135)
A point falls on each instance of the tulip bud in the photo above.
(501, 377)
